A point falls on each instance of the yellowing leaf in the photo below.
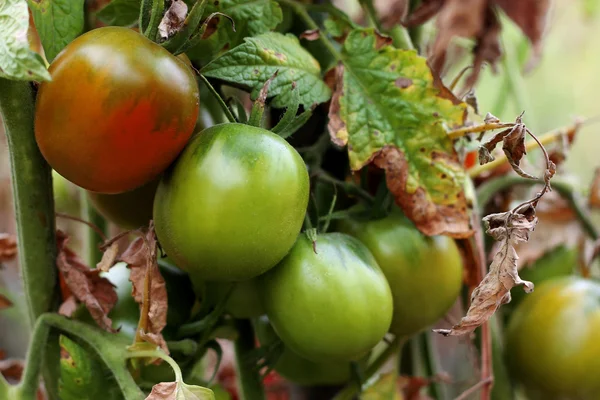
(389, 109)
(179, 391)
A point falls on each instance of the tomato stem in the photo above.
(34, 207)
(156, 15)
(250, 384)
(219, 99)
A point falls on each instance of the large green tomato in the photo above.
(232, 205)
(552, 342)
(424, 273)
(129, 210)
(117, 112)
(298, 369)
(334, 304)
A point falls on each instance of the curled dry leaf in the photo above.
(108, 257)
(509, 228)
(179, 391)
(149, 289)
(173, 19)
(8, 247)
(86, 285)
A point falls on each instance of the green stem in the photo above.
(369, 8)
(301, 12)
(352, 389)
(219, 99)
(158, 8)
(157, 354)
(29, 382)
(431, 364)
(415, 32)
(250, 383)
(348, 187)
(401, 38)
(34, 207)
(486, 191)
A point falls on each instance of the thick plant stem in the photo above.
(249, 381)
(34, 207)
(350, 391)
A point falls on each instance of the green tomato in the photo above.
(552, 340)
(129, 210)
(334, 304)
(298, 369)
(424, 273)
(232, 205)
(66, 197)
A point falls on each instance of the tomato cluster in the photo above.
(228, 206)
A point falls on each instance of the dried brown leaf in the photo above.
(426, 10)
(109, 257)
(8, 247)
(179, 391)
(88, 287)
(392, 12)
(310, 35)
(173, 19)
(148, 287)
(4, 302)
(594, 197)
(264, 91)
(509, 228)
(68, 307)
(430, 218)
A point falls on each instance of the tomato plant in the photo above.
(211, 208)
(552, 337)
(412, 263)
(136, 106)
(332, 303)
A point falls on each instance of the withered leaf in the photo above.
(88, 287)
(509, 228)
(4, 302)
(8, 247)
(179, 391)
(108, 257)
(148, 289)
(68, 307)
(594, 197)
(173, 19)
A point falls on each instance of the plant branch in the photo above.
(369, 9)
(250, 382)
(348, 187)
(219, 99)
(158, 8)
(352, 389)
(34, 207)
(431, 364)
(488, 126)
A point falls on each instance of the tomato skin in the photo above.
(117, 112)
(424, 273)
(128, 210)
(333, 305)
(552, 340)
(297, 369)
(215, 208)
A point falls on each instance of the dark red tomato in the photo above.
(552, 344)
(232, 204)
(129, 210)
(117, 112)
(334, 304)
(297, 369)
(424, 273)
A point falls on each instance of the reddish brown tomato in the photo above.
(117, 112)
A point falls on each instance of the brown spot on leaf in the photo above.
(428, 217)
(403, 83)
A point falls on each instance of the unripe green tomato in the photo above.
(297, 369)
(334, 304)
(129, 210)
(552, 344)
(232, 205)
(424, 273)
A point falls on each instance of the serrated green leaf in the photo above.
(17, 61)
(120, 12)
(250, 65)
(388, 110)
(81, 375)
(251, 18)
(338, 27)
(58, 22)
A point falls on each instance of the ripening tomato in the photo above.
(424, 273)
(297, 369)
(117, 112)
(233, 204)
(552, 342)
(129, 210)
(334, 304)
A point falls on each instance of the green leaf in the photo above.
(250, 64)
(17, 61)
(120, 12)
(389, 110)
(81, 375)
(58, 22)
(179, 391)
(251, 18)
